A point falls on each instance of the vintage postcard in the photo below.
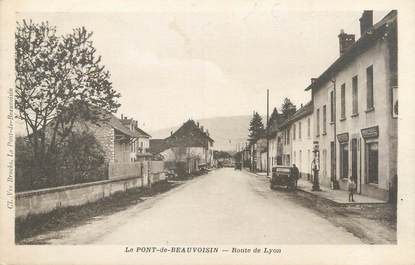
(182, 132)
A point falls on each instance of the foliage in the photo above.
(59, 79)
(273, 119)
(256, 128)
(80, 159)
(288, 108)
(220, 154)
(23, 166)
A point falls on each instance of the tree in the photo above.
(256, 128)
(82, 159)
(288, 108)
(273, 119)
(59, 79)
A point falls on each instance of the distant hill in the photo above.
(226, 131)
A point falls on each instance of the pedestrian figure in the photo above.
(352, 188)
(295, 174)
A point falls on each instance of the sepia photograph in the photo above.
(205, 131)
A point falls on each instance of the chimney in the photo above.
(345, 41)
(366, 21)
(201, 128)
(197, 124)
(122, 116)
(313, 80)
(207, 132)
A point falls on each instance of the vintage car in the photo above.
(238, 166)
(282, 177)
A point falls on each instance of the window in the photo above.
(343, 102)
(332, 106)
(288, 136)
(372, 162)
(344, 160)
(318, 122)
(294, 131)
(369, 87)
(300, 155)
(355, 95)
(324, 119)
(308, 127)
(299, 130)
(324, 162)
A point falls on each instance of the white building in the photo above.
(355, 110)
(302, 139)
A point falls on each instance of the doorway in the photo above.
(354, 160)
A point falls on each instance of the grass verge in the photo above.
(73, 216)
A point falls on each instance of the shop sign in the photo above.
(343, 137)
(371, 132)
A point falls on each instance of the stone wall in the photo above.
(124, 170)
(46, 200)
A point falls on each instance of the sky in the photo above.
(172, 66)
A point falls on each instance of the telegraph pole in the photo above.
(267, 134)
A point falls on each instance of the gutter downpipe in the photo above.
(335, 183)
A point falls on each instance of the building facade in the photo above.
(355, 110)
(140, 144)
(190, 144)
(302, 139)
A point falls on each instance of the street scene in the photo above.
(223, 207)
(200, 131)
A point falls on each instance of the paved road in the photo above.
(223, 207)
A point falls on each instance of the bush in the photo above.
(79, 159)
(24, 173)
(82, 160)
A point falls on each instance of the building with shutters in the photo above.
(355, 110)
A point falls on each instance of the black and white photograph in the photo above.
(246, 131)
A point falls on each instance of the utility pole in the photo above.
(267, 134)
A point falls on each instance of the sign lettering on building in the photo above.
(371, 132)
(343, 137)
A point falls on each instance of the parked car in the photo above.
(282, 177)
(238, 166)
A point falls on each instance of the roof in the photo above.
(157, 146)
(114, 122)
(307, 109)
(189, 135)
(126, 122)
(366, 41)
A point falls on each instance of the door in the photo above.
(354, 159)
(332, 161)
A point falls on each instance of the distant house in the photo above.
(190, 144)
(140, 143)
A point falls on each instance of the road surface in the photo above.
(223, 207)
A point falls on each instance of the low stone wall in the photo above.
(125, 170)
(46, 200)
(122, 176)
